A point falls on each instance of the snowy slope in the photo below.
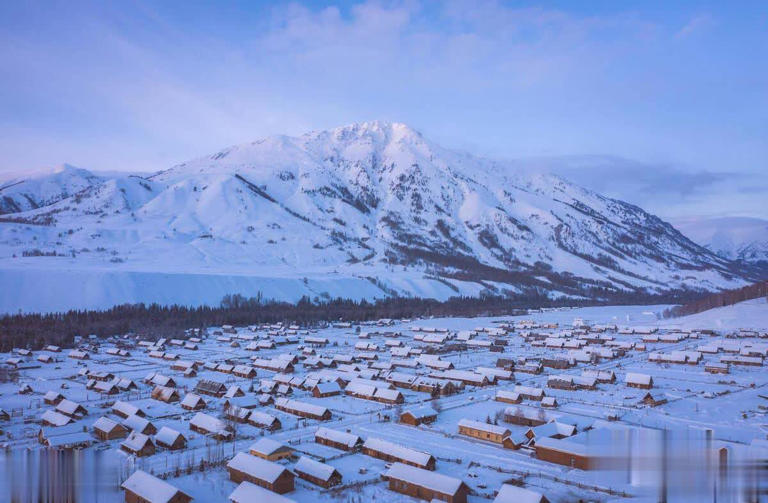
(750, 314)
(375, 202)
(22, 192)
(735, 238)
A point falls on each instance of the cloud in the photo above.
(671, 191)
(697, 24)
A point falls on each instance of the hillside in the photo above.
(721, 299)
(367, 210)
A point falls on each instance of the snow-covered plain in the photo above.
(733, 406)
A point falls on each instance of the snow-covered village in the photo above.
(394, 251)
(591, 404)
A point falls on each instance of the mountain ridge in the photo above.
(373, 200)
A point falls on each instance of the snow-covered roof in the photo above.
(55, 418)
(328, 387)
(104, 424)
(424, 478)
(69, 439)
(68, 407)
(309, 408)
(513, 494)
(136, 441)
(266, 446)
(136, 423)
(247, 492)
(387, 394)
(509, 395)
(149, 487)
(261, 418)
(256, 467)
(528, 390)
(126, 408)
(167, 435)
(636, 378)
(421, 412)
(52, 395)
(478, 425)
(208, 423)
(314, 468)
(336, 436)
(397, 451)
(191, 400)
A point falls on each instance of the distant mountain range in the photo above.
(372, 204)
(734, 238)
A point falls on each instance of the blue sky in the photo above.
(671, 96)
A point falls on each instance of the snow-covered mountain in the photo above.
(364, 210)
(735, 238)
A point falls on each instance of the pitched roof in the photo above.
(314, 468)
(513, 494)
(167, 435)
(266, 446)
(424, 478)
(247, 492)
(256, 467)
(149, 487)
(336, 436)
(136, 441)
(490, 428)
(397, 451)
(104, 424)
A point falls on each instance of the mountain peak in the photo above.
(364, 198)
(378, 131)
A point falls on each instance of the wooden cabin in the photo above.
(641, 381)
(303, 409)
(269, 449)
(392, 452)
(338, 439)
(269, 475)
(264, 420)
(170, 439)
(513, 494)
(126, 409)
(246, 492)
(488, 432)
(138, 444)
(426, 485)
(317, 473)
(210, 387)
(142, 487)
(140, 425)
(165, 394)
(193, 401)
(53, 398)
(71, 409)
(419, 416)
(106, 429)
(508, 397)
(653, 400)
(324, 389)
(209, 425)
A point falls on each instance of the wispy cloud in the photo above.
(697, 24)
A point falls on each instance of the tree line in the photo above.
(721, 299)
(34, 331)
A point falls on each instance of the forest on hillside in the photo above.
(721, 299)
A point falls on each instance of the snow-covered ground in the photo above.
(732, 406)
